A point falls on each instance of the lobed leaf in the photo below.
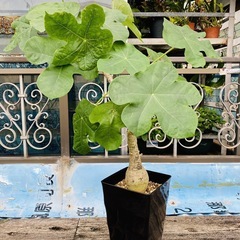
(125, 8)
(36, 14)
(86, 42)
(89, 75)
(185, 38)
(123, 56)
(55, 82)
(157, 92)
(108, 133)
(62, 26)
(23, 32)
(83, 129)
(113, 22)
(40, 50)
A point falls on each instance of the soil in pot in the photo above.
(152, 186)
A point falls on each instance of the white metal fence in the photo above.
(32, 125)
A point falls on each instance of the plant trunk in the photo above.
(136, 177)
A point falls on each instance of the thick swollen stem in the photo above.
(136, 176)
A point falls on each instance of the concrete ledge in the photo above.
(176, 228)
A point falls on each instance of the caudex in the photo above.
(74, 40)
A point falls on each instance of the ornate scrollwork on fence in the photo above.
(190, 143)
(227, 135)
(41, 135)
(156, 135)
(22, 117)
(9, 117)
(93, 92)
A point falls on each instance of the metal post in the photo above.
(64, 127)
(175, 147)
(228, 66)
(24, 136)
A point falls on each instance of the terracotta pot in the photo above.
(191, 25)
(132, 215)
(212, 32)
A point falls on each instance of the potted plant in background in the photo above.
(140, 22)
(183, 6)
(155, 23)
(85, 41)
(209, 122)
(211, 25)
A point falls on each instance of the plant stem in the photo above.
(101, 98)
(136, 176)
(163, 55)
(135, 162)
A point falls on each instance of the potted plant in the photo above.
(85, 41)
(140, 22)
(209, 121)
(209, 24)
(155, 23)
(183, 6)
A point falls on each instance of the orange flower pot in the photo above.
(191, 25)
(212, 32)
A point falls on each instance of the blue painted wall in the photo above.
(47, 190)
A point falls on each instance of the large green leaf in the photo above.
(88, 75)
(123, 56)
(108, 134)
(157, 56)
(23, 32)
(125, 8)
(63, 26)
(40, 50)
(113, 22)
(36, 14)
(84, 130)
(86, 42)
(55, 82)
(185, 38)
(157, 91)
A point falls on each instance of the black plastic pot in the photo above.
(156, 27)
(132, 215)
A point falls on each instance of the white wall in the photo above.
(18, 6)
